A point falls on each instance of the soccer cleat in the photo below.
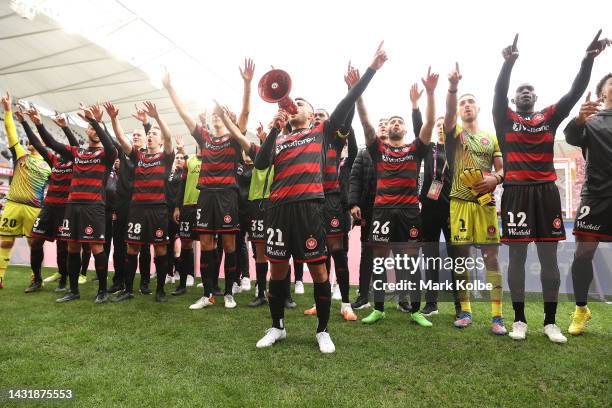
(229, 301)
(190, 281)
(245, 284)
(519, 331)
(326, 345)
(144, 288)
(122, 296)
(347, 312)
(203, 302)
(430, 309)
(554, 333)
(236, 288)
(61, 287)
(404, 306)
(311, 312)
(272, 336)
(52, 278)
(464, 320)
(101, 297)
(34, 286)
(257, 301)
(169, 279)
(115, 288)
(419, 319)
(200, 285)
(179, 291)
(497, 326)
(82, 279)
(336, 295)
(580, 318)
(373, 317)
(361, 303)
(68, 297)
(299, 288)
(290, 303)
(160, 296)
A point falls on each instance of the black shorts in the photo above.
(48, 224)
(335, 218)
(257, 216)
(187, 222)
(532, 213)
(392, 225)
(147, 224)
(594, 218)
(84, 223)
(296, 230)
(217, 212)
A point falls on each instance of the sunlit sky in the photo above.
(314, 40)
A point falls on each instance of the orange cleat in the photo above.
(311, 312)
(347, 313)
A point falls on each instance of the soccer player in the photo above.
(294, 224)
(148, 216)
(473, 215)
(396, 216)
(84, 219)
(592, 131)
(173, 185)
(362, 191)
(531, 205)
(49, 220)
(25, 195)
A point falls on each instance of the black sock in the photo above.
(101, 263)
(519, 312)
(582, 276)
(380, 306)
(188, 261)
(415, 307)
(230, 271)
(216, 267)
(74, 267)
(261, 270)
(342, 273)
(298, 271)
(322, 295)
(85, 257)
(276, 301)
(131, 261)
(550, 312)
(62, 260)
(161, 268)
(207, 259)
(36, 259)
(180, 267)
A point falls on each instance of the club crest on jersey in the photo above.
(227, 219)
(414, 232)
(491, 229)
(311, 243)
(159, 233)
(484, 141)
(88, 230)
(557, 223)
(334, 222)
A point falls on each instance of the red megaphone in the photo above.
(275, 86)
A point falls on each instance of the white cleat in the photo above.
(554, 333)
(200, 285)
(299, 288)
(201, 303)
(326, 345)
(272, 336)
(245, 284)
(336, 292)
(52, 278)
(230, 303)
(236, 288)
(519, 331)
(169, 279)
(190, 281)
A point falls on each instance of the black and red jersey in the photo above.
(331, 181)
(298, 162)
(220, 156)
(527, 143)
(90, 169)
(59, 181)
(150, 174)
(397, 172)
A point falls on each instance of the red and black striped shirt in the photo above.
(150, 174)
(527, 143)
(331, 182)
(397, 172)
(59, 181)
(298, 161)
(90, 169)
(220, 156)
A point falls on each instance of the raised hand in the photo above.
(380, 57)
(140, 115)
(34, 115)
(97, 111)
(455, 76)
(87, 113)
(59, 120)
(111, 109)
(247, 72)
(597, 46)
(6, 102)
(588, 109)
(19, 114)
(352, 76)
(261, 133)
(280, 119)
(178, 139)
(430, 81)
(151, 109)
(166, 78)
(202, 118)
(511, 53)
(415, 95)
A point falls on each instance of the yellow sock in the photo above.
(463, 294)
(5, 255)
(495, 279)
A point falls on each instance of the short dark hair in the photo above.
(464, 95)
(322, 110)
(601, 83)
(304, 100)
(396, 116)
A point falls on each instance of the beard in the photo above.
(395, 135)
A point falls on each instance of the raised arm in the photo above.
(178, 102)
(417, 118)
(352, 77)
(11, 131)
(247, 76)
(60, 120)
(500, 97)
(34, 140)
(450, 117)
(263, 160)
(96, 116)
(151, 110)
(113, 113)
(575, 133)
(430, 83)
(235, 131)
